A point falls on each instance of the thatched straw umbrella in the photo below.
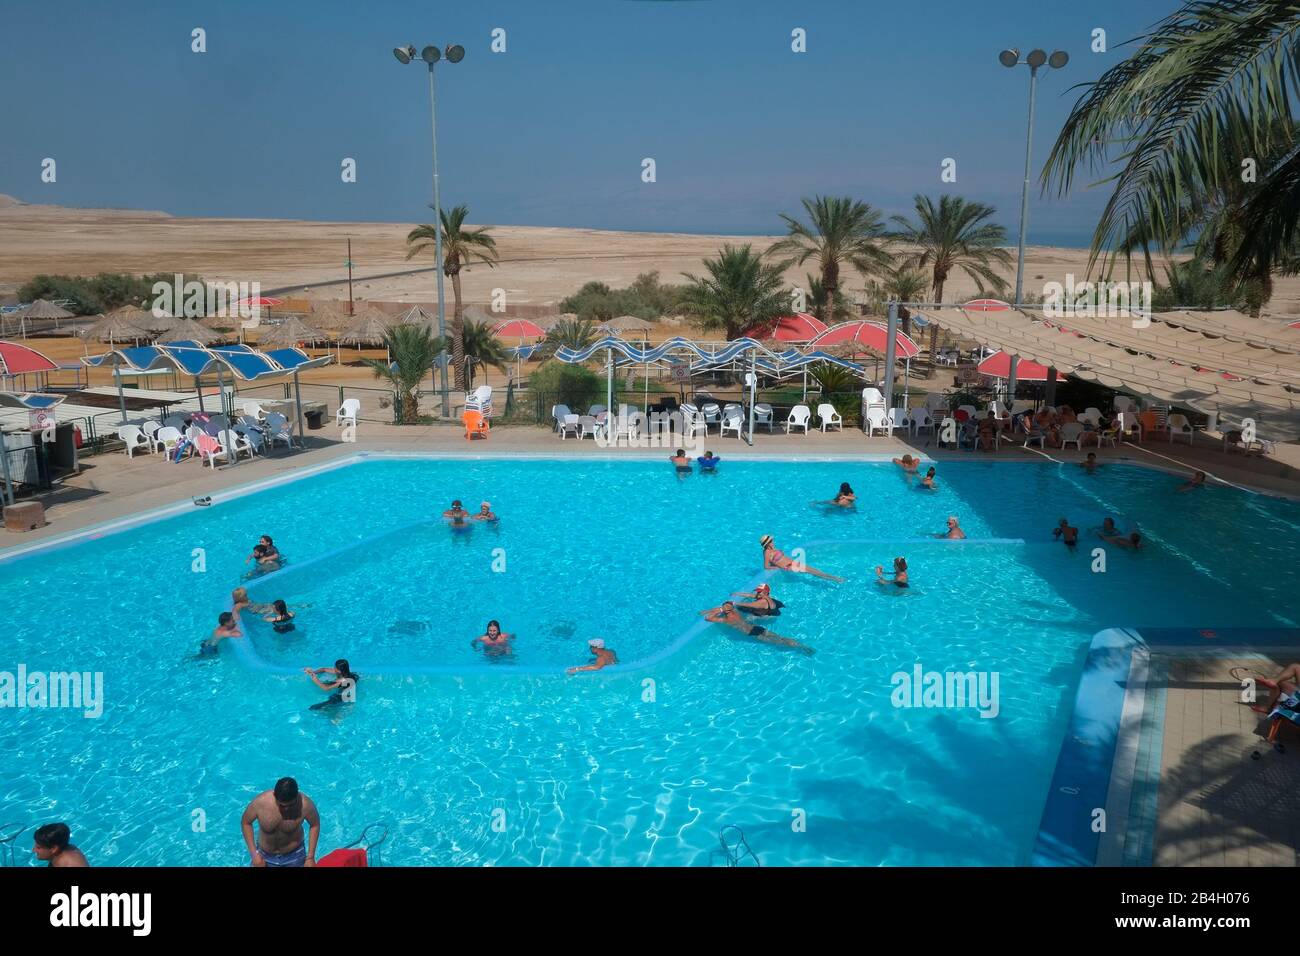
(330, 317)
(370, 326)
(113, 329)
(289, 333)
(142, 318)
(41, 309)
(183, 329)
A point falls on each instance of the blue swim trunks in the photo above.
(294, 857)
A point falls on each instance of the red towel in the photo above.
(355, 857)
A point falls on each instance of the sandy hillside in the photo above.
(539, 266)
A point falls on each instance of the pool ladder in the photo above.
(7, 853)
(371, 843)
(737, 852)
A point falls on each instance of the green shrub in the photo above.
(564, 384)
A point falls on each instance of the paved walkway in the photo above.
(1220, 805)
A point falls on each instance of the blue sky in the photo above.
(552, 131)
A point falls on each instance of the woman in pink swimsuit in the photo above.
(774, 559)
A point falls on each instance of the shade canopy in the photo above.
(727, 353)
(519, 329)
(998, 365)
(16, 359)
(330, 316)
(871, 336)
(798, 327)
(185, 329)
(113, 329)
(1236, 368)
(368, 326)
(44, 309)
(191, 358)
(626, 323)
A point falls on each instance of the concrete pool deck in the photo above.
(112, 486)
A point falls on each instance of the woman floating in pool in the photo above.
(281, 618)
(899, 574)
(728, 615)
(342, 689)
(603, 657)
(928, 481)
(485, 513)
(227, 626)
(844, 498)
(496, 642)
(776, 560)
(761, 603)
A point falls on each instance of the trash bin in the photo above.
(314, 419)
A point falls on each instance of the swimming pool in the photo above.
(471, 762)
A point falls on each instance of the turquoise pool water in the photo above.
(470, 762)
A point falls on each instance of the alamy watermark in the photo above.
(1106, 300)
(946, 689)
(44, 690)
(194, 299)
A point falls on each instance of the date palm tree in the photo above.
(460, 247)
(1181, 118)
(413, 350)
(840, 230)
(482, 348)
(740, 290)
(955, 234)
(571, 333)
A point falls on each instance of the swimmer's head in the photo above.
(287, 795)
(1108, 523)
(708, 454)
(343, 668)
(239, 595)
(1135, 538)
(930, 473)
(845, 489)
(50, 839)
(1092, 455)
(265, 540)
(907, 459)
(681, 452)
(952, 521)
(766, 541)
(485, 507)
(596, 642)
(280, 606)
(456, 504)
(728, 605)
(1064, 522)
(900, 564)
(494, 627)
(764, 588)
(225, 619)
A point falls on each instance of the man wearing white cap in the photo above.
(604, 657)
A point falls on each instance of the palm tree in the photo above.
(460, 247)
(901, 285)
(571, 333)
(483, 347)
(413, 350)
(953, 235)
(740, 290)
(842, 309)
(1180, 116)
(842, 230)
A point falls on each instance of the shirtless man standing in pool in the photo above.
(728, 615)
(280, 814)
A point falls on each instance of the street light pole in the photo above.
(431, 55)
(1036, 58)
(437, 244)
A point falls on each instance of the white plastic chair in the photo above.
(920, 418)
(254, 409)
(798, 418)
(1129, 423)
(712, 414)
(167, 438)
(587, 425)
(829, 417)
(1180, 426)
(277, 429)
(595, 410)
(733, 419)
(134, 439)
(570, 423)
(210, 449)
(899, 420)
(1125, 404)
(150, 428)
(234, 443)
(692, 421)
(346, 415)
(878, 420)
(1072, 432)
(558, 414)
(763, 415)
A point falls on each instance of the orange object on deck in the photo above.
(354, 857)
(475, 423)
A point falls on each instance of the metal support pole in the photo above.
(891, 345)
(117, 380)
(1024, 192)
(437, 244)
(4, 461)
(753, 391)
(297, 400)
(1049, 395)
(1011, 381)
